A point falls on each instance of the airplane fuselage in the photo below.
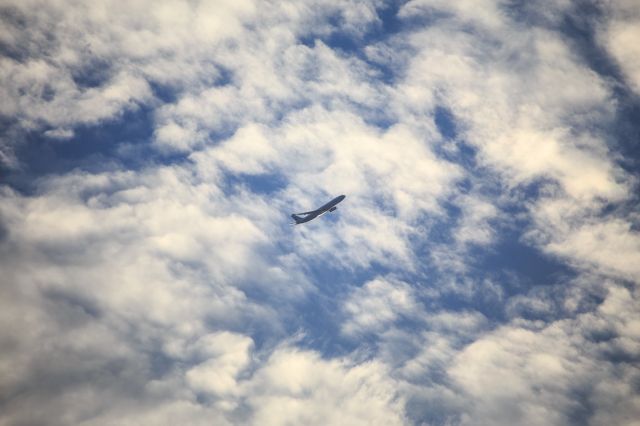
(331, 203)
(328, 207)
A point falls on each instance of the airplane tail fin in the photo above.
(296, 218)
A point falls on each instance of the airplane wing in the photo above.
(312, 211)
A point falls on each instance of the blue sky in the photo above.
(483, 268)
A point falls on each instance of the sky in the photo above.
(482, 270)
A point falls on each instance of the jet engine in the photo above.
(332, 208)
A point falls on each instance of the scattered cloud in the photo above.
(300, 387)
(482, 269)
(618, 34)
(377, 305)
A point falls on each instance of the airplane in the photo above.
(308, 216)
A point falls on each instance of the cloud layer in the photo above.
(482, 270)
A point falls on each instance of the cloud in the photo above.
(486, 14)
(298, 387)
(59, 133)
(617, 33)
(74, 65)
(474, 227)
(377, 305)
(172, 291)
(550, 376)
(611, 246)
(226, 355)
(414, 178)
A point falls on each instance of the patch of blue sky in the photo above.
(429, 412)
(439, 228)
(94, 73)
(332, 276)
(509, 252)
(445, 122)
(454, 148)
(319, 317)
(125, 138)
(510, 264)
(388, 15)
(165, 93)
(583, 408)
(260, 184)
(124, 142)
(98, 147)
(168, 93)
(513, 265)
(353, 44)
(510, 256)
(624, 134)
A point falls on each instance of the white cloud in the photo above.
(484, 13)
(611, 246)
(518, 120)
(167, 295)
(226, 355)
(503, 376)
(474, 227)
(446, 333)
(59, 133)
(376, 305)
(324, 153)
(81, 65)
(298, 387)
(619, 34)
(248, 151)
(525, 376)
(621, 40)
